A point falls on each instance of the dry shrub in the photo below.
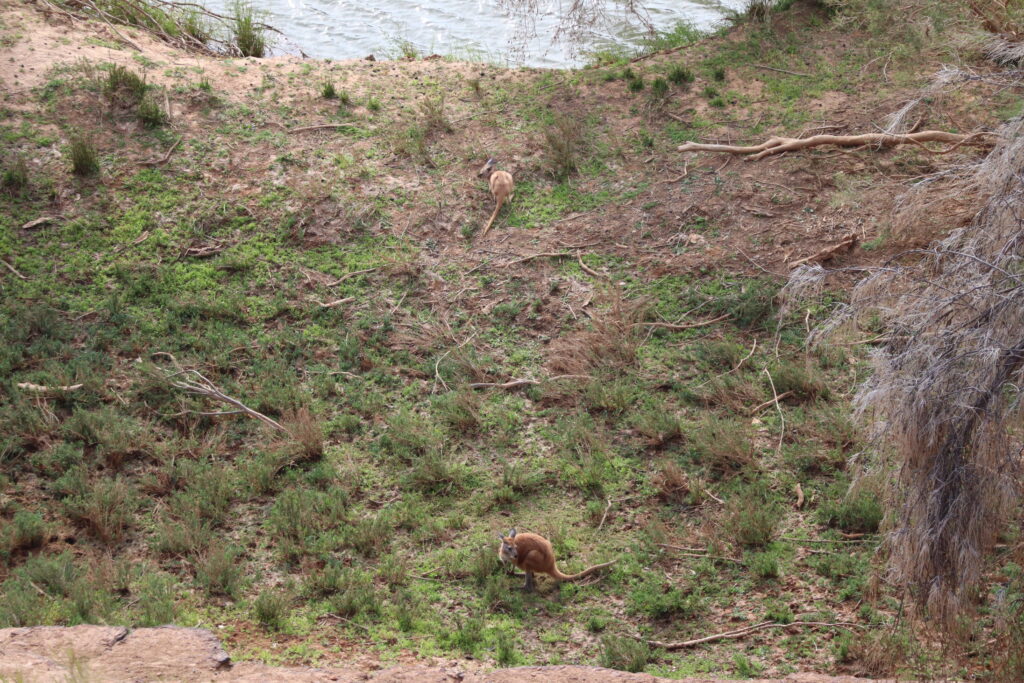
(944, 393)
(673, 485)
(731, 392)
(610, 342)
(724, 445)
(307, 433)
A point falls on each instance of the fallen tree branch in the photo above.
(740, 632)
(781, 71)
(758, 409)
(546, 254)
(320, 126)
(778, 145)
(828, 253)
(686, 552)
(163, 160)
(336, 302)
(512, 384)
(201, 386)
(586, 269)
(683, 326)
(12, 269)
(42, 389)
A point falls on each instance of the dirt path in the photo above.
(112, 653)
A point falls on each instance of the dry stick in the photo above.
(781, 71)
(685, 553)
(605, 515)
(12, 269)
(511, 384)
(103, 15)
(352, 274)
(813, 540)
(778, 145)
(163, 160)
(829, 252)
(550, 254)
(687, 326)
(782, 429)
(336, 302)
(41, 389)
(303, 129)
(740, 632)
(586, 269)
(204, 387)
(773, 401)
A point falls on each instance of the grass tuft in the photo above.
(84, 160)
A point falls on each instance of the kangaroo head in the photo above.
(507, 551)
(487, 169)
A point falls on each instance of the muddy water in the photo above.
(471, 29)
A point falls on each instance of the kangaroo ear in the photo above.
(512, 533)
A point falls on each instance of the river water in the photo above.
(469, 29)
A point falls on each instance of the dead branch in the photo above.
(605, 515)
(740, 632)
(781, 71)
(546, 254)
(778, 145)
(684, 326)
(686, 552)
(201, 386)
(586, 269)
(828, 253)
(163, 160)
(758, 409)
(336, 302)
(45, 390)
(320, 126)
(512, 384)
(348, 275)
(12, 269)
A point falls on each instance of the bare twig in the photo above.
(336, 302)
(683, 326)
(163, 160)
(740, 632)
(829, 252)
(41, 389)
(772, 402)
(512, 384)
(586, 269)
(546, 254)
(605, 515)
(778, 145)
(782, 429)
(200, 385)
(781, 71)
(686, 552)
(12, 269)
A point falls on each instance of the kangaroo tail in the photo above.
(493, 216)
(586, 572)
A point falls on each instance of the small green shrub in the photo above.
(157, 594)
(802, 383)
(328, 91)
(220, 571)
(718, 74)
(15, 175)
(751, 516)
(106, 508)
(724, 445)
(710, 92)
(354, 595)
(860, 512)
(249, 34)
(659, 89)
(680, 75)
(564, 144)
(84, 160)
(635, 84)
(764, 565)
(624, 654)
(27, 531)
(122, 82)
(433, 114)
(659, 600)
(271, 609)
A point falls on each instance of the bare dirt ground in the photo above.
(108, 653)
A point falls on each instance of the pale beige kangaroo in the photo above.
(533, 553)
(502, 187)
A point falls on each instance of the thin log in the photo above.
(320, 126)
(781, 71)
(778, 145)
(586, 269)
(42, 389)
(163, 160)
(336, 302)
(12, 269)
(684, 552)
(546, 254)
(684, 326)
(348, 275)
(740, 632)
(828, 253)
(201, 386)
(758, 409)
(512, 384)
